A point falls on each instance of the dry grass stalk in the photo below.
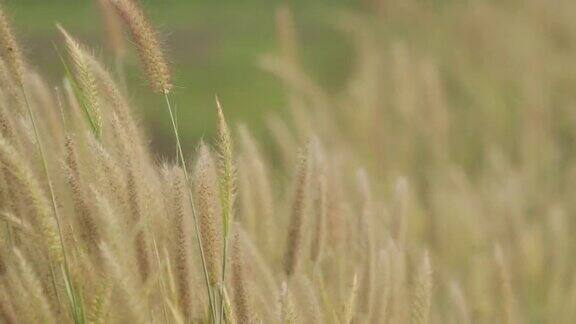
(82, 207)
(209, 212)
(183, 259)
(35, 291)
(109, 170)
(226, 184)
(226, 168)
(366, 242)
(98, 306)
(241, 302)
(140, 245)
(11, 48)
(294, 239)
(320, 218)
(130, 293)
(7, 126)
(30, 187)
(86, 81)
(149, 47)
(115, 96)
(12, 92)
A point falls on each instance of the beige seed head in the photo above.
(82, 208)
(29, 186)
(34, 289)
(98, 305)
(11, 89)
(109, 87)
(108, 170)
(149, 47)
(208, 209)
(134, 188)
(320, 205)
(90, 98)
(84, 75)
(7, 126)
(241, 299)
(130, 290)
(183, 271)
(226, 168)
(294, 241)
(12, 53)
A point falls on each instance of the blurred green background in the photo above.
(214, 47)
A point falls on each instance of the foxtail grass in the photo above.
(158, 73)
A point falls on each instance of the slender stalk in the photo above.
(66, 270)
(223, 277)
(191, 199)
(53, 278)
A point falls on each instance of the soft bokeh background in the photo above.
(214, 47)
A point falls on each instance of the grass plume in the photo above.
(148, 44)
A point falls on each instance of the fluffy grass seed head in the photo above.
(12, 52)
(85, 81)
(241, 301)
(206, 195)
(294, 241)
(183, 271)
(16, 165)
(149, 47)
(226, 168)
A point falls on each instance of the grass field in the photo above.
(386, 161)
